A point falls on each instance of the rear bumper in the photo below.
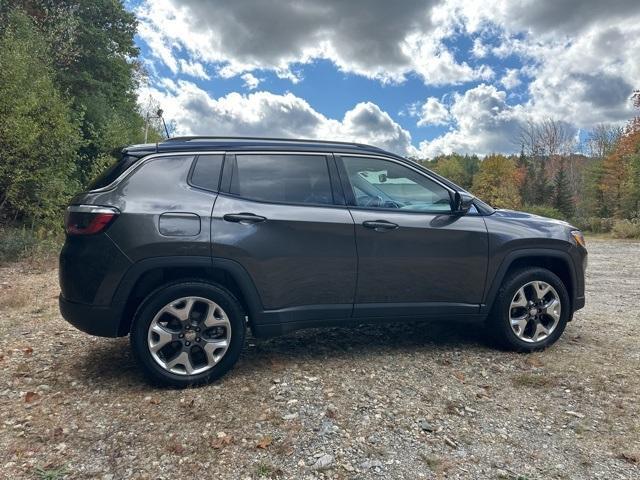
(91, 319)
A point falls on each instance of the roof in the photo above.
(199, 143)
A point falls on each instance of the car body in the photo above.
(301, 234)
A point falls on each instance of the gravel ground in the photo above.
(415, 400)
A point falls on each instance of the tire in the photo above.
(188, 333)
(508, 309)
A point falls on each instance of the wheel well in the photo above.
(556, 265)
(156, 277)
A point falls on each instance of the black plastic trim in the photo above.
(491, 293)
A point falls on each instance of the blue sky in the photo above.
(417, 77)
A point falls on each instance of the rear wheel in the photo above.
(531, 310)
(188, 333)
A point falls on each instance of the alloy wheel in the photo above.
(535, 311)
(189, 336)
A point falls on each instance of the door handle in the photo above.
(379, 225)
(243, 218)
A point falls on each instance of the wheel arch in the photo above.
(557, 261)
(147, 275)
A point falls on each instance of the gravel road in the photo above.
(415, 400)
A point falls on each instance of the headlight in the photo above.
(578, 238)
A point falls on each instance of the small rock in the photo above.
(290, 416)
(324, 462)
(371, 464)
(426, 426)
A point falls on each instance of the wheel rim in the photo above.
(189, 335)
(535, 311)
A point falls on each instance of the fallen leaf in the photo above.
(534, 361)
(459, 375)
(31, 397)
(221, 442)
(264, 442)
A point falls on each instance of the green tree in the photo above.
(562, 198)
(38, 135)
(497, 182)
(457, 168)
(94, 59)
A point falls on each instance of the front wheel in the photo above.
(188, 333)
(531, 310)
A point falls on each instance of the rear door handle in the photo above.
(243, 218)
(379, 225)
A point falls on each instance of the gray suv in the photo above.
(184, 244)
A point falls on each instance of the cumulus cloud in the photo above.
(432, 112)
(483, 123)
(578, 63)
(510, 79)
(251, 82)
(261, 113)
(376, 39)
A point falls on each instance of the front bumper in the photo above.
(91, 319)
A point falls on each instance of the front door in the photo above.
(414, 257)
(278, 219)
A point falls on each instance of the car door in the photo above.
(414, 256)
(280, 217)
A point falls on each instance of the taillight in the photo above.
(88, 219)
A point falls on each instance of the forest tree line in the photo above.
(597, 189)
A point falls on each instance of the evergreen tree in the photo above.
(562, 198)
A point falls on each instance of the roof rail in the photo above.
(268, 139)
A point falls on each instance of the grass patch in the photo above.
(51, 473)
(534, 380)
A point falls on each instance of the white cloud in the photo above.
(511, 79)
(376, 39)
(250, 81)
(484, 123)
(432, 112)
(266, 114)
(194, 69)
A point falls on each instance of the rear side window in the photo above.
(206, 173)
(114, 171)
(302, 179)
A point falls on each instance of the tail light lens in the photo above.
(88, 219)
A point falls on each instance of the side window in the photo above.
(206, 173)
(378, 183)
(282, 178)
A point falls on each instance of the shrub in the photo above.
(17, 243)
(626, 228)
(544, 211)
(594, 224)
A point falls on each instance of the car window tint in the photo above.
(206, 173)
(379, 183)
(302, 179)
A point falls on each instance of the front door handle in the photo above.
(243, 218)
(379, 225)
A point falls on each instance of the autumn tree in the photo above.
(497, 182)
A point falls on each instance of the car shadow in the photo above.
(110, 362)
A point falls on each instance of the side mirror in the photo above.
(462, 202)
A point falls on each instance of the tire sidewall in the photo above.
(160, 298)
(501, 315)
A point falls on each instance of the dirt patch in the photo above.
(414, 400)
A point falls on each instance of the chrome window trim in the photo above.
(194, 154)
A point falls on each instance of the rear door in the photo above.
(280, 217)
(414, 256)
